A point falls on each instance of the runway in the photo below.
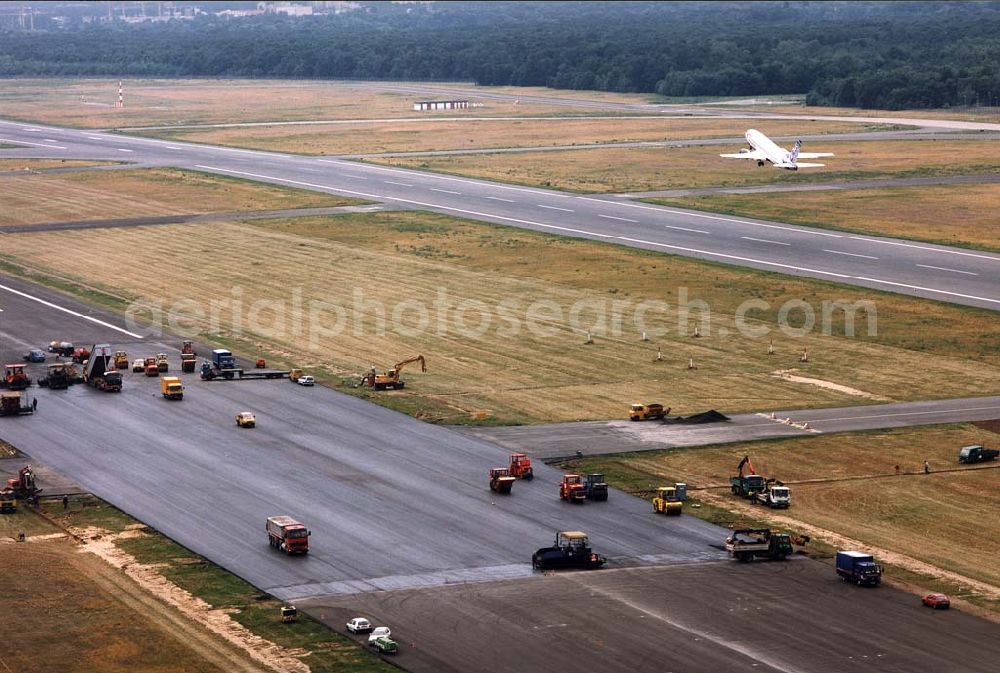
(892, 265)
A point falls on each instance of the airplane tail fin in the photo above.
(794, 154)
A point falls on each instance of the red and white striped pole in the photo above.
(121, 96)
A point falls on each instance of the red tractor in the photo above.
(14, 377)
(81, 354)
(520, 467)
(572, 489)
(24, 486)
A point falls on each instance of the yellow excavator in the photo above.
(391, 378)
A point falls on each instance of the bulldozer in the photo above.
(391, 378)
(500, 480)
(14, 377)
(520, 467)
(666, 501)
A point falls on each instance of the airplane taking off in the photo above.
(763, 149)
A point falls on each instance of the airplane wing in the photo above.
(797, 165)
(756, 155)
(814, 155)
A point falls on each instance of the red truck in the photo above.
(287, 534)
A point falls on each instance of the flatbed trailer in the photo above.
(209, 373)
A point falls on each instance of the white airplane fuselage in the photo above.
(775, 154)
(763, 150)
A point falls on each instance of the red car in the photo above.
(937, 601)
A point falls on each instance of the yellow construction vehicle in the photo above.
(121, 360)
(647, 412)
(8, 501)
(666, 501)
(391, 378)
(162, 363)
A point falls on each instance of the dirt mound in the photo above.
(710, 416)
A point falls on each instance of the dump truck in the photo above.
(287, 534)
(647, 412)
(391, 378)
(595, 488)
(667, 501)
(121, 360)
(500, 480)
(747, 544)
(15, 403)
(571, 488)
(977, 453)
(100, 371)
(171, 388)
(162, 363)
(188, 362)
(858, 567)
(571, 550)
(746, 485)
(24, 486)
(15, 377)
(149, 366)
(775, 495)
(520, 467)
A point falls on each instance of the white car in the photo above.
(306, 380)
(359, 625)
(378, 632)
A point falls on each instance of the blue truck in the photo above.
(858, 567)
(224, 367)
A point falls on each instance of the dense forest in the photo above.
(873, 54)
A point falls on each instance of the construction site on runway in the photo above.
(346, 509)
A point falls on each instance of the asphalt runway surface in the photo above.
(563, 440)
(794, 616)
(919, 269)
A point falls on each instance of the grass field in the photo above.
(41, 164)
(984, 114)
(89, 195)
(60, 614)
(516, 369)
(963, 215)
(89, 103)
(426, 135)
(616, 170)
(847, 484)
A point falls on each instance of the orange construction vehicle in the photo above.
(391, 378)
(500, 480)
(14, 377)
(80, 354)
(187, 348)
(520, 467)
(151, 368)
(572, 489)
(24, 485)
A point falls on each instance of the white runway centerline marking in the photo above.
(763, 240)
(622, 219)
(992, 258)
(565, 210)
(172, 147)
(401, 184)
(445, 191)
(849, 254)
(25, 142)
(70, 311)
(944, 268)
(697, 231)
(929, 289)
(50, 140)
(497, 198)
(122, 149)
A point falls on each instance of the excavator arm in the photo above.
(420, 358)
(745, 461)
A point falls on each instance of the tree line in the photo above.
(873, 55)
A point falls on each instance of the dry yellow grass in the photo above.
(89, 103)
(63, 614)
(953, 215)
(942, 518)
(40, 164)
(961, 114)
(521, 375)
(615, 170)
(36, 199)
(401, 136)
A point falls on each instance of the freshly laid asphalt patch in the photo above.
(794, 616)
